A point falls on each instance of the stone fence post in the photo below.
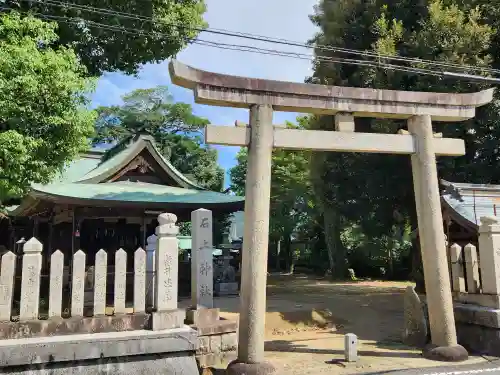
(166, 315)
(150, 269)
(30, 279)
(489, 255)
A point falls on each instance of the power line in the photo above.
(244, 48)
(340, 60)
(255, 37)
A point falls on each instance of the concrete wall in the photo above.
(136, 352)
(478, 328)
(217, 343)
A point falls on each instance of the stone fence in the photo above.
(80, 305)
(475, 280)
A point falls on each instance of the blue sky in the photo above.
(288, 19)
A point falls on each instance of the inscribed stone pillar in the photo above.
(489, 256)
(120, 281)
(30, 280)
(166, 263)
(201, 259)
(150, 269)
(472, 268)
(457, 271)
(100, 280)
(78, 283)
(139, 281)
(255, 238)
(56, 283)
(7, 274)
(432, 240)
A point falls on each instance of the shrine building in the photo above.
(109, 203)
(463, 205)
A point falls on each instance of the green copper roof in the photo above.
(84, 182)
(134, 192)
(77, 169)
(122, 158)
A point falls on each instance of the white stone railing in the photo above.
(475, 273)
(80, 284)
(88, 285)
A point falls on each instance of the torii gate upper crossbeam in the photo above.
(232, 91)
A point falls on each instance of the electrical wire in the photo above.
(255, 37)
(244, 48)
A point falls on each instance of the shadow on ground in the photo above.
(287, 346)
(371, 310)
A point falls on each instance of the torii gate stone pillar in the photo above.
(263, 97)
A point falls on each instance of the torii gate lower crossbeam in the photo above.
(264, 96)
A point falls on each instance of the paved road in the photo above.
(488, 368)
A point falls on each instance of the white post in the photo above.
(100, 280)
(201, 259)
(120, 281)
(56, 280)
(457, 270)
(489, 256)
(472, 269)
(166, 263)
(30, 279)
(7, 274)
(78, 283)
(150, 269)
(166, 315)
(139, 281)
(350, 347)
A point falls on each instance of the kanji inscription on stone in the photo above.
(202, 259)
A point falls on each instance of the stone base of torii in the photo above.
(262, 97)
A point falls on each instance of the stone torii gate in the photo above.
(263, 97)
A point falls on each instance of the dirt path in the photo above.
(371, 310)
(307, 318)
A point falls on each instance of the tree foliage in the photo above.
(173, 125)
(43, 93)
(135, 32)
(291, 201)
(375, 192)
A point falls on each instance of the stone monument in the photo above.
(166, 314)
(415, 328)
(202, 270)
(227, 284)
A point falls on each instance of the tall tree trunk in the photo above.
(417, 267)
(336, 252)
(287, 247)
(390, 262)
(278, 254)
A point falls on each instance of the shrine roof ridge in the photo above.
(192, 78)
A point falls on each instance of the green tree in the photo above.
(173, 125)
(156, 30)
(371, 190)
(44, 122)
(291, 201)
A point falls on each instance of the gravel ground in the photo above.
(307, 319)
